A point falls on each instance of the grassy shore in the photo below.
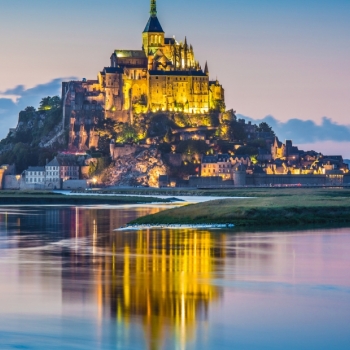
(269, 208)
(234, 192)
(50, 198)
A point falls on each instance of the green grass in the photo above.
(239, 192)
(270, 208)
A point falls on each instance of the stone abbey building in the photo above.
(163, 76)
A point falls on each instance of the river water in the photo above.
(68, 281)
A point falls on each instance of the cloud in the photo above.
(12, 101)
(306, 131)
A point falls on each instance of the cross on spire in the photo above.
(153, 11)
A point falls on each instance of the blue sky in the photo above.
(287, 59)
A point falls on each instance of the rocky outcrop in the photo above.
(141, 168)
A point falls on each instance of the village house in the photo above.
(222, 165)
(61, 169)
(52, 170)
(35, 175)
(285, 151)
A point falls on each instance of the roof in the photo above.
(169, 41)
(36, 168)
(191, 73)
(184, 132)
(279, 143)
(130, 54)
(223, 157)
(153, 26)
(338, 158)
(210, 159)
(63, 161)
(112, 70)
(54, 162)
(242, 156)
(134, 66)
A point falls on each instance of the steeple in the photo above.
(153, 35)
(206, 70)
(153, 11)
(153, 25)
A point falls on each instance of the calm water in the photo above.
(67, 281)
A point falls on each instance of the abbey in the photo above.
(163, 76)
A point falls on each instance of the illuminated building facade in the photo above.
(222, 165)
(163, 76)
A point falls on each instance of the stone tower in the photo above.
(239, 175)
(153, 35)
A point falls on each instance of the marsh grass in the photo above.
(287, 209)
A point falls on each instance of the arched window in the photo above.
(160, 39)
(156, 37)
(152, 39)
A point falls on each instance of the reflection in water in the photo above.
(165, 287)
(169, 285)
(161, 277)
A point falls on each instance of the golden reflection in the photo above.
(161, 279)
(164, 279)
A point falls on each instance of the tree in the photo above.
(237, 131)
(55, 102)
(247, 150)
(192, 147)
(219, 106)
(264, 127)
(49, 102)
(30, 109)
(128, 134)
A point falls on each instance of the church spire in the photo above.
(153, 11)
(206, 70)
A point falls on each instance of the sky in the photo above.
(286, 61)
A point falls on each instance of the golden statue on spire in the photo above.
(153, 11)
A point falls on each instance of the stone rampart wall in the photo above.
(263, 179)
(31, 187)
(74, 184)
(11, 182)
(205, 181)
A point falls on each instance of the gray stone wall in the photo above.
(198, 181)
(11, 182)
(267, 180)
(74, 184)
(31, 187)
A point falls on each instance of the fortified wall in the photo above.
(270, 180)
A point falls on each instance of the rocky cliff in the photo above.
(141, 168)
(39, 135)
